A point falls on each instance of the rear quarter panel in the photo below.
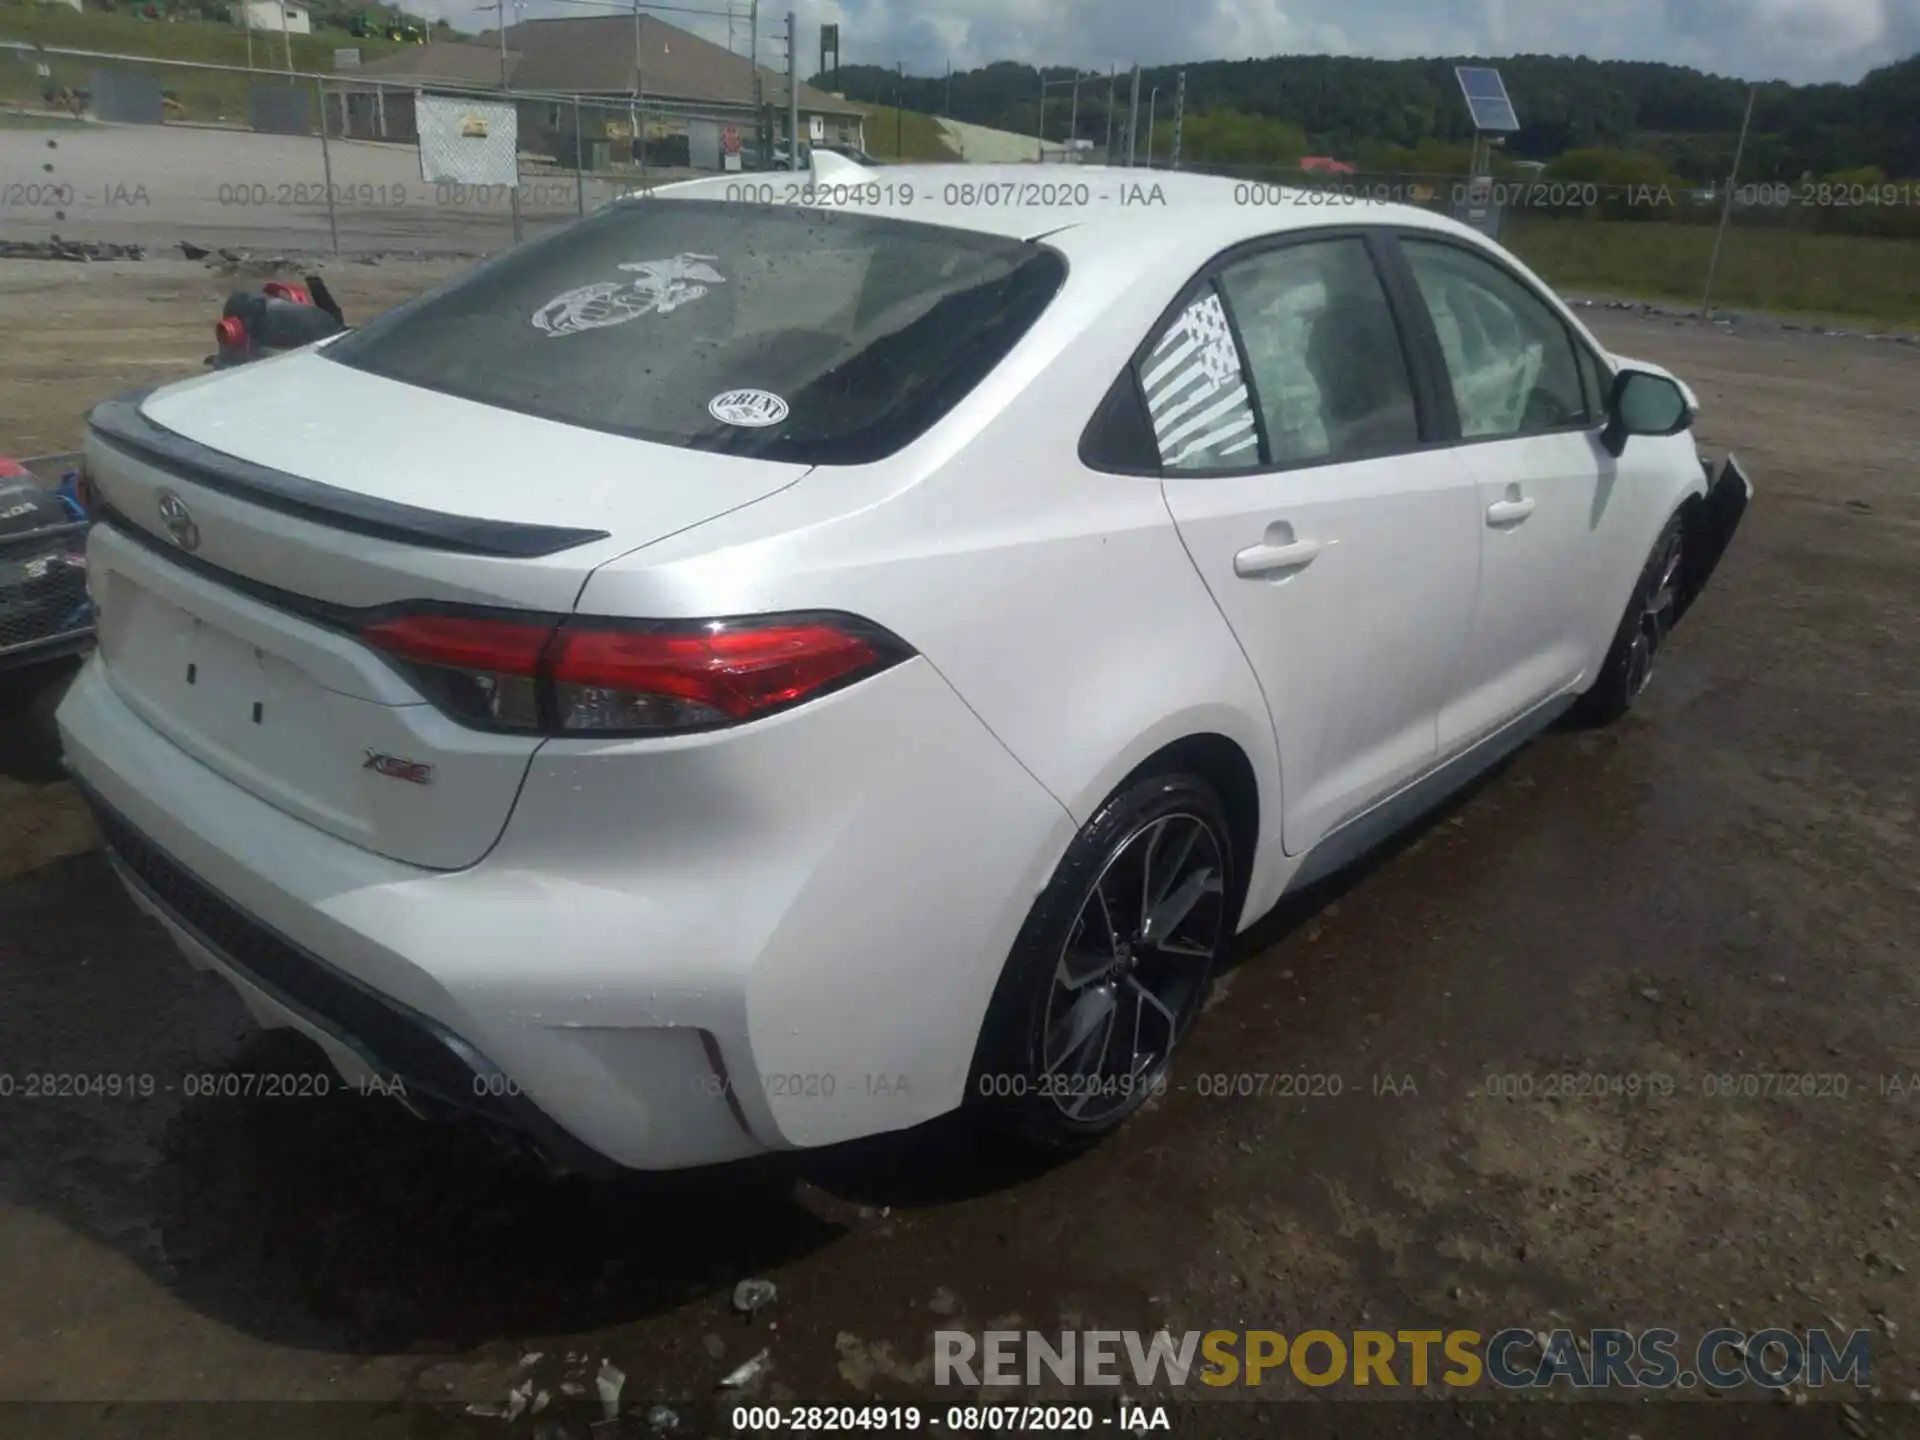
(1058, 602)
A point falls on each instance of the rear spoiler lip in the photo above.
(121, 423)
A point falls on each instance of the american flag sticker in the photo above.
(1196, 393)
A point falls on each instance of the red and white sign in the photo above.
(730, 140)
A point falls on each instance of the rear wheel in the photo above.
(1630, 663)
(1111, 967)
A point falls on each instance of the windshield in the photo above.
(756, 330)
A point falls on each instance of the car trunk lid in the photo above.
(253, 521)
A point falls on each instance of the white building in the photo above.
(273, 15)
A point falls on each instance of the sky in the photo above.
(1798, 40)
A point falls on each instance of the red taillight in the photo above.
(581, 676)
(284, 290)
(83, 490)
(738, 673)
(504, 647)
(229, 331)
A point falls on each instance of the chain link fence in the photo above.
(133, 151)
(262, 163)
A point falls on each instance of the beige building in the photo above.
(273, 16)
(654, 75)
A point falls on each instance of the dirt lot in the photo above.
(1726, 884)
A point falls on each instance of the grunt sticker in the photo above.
(751, 408)
(659, 287)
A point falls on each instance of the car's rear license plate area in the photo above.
(238, 707)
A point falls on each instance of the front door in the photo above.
(1529, 425)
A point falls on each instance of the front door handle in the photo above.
(1508, 512)
(1260, 561)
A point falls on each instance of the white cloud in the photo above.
(1800, 40)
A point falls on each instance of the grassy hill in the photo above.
(207, 41)
(905, 135)
(204, 95)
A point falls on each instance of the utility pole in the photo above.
(1726, 208)
(1179, 115)
(759, 99)
(1040, 131)
(1073, 115)
(503, 44)
(1153, 103)
(1113, 74)
(948, 108)
(286, 37)
(899, 117)
(633, 106)
(793, 92)
(1133, 119)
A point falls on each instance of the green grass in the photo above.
(905, 135)
(204, 95)
(1781, 270)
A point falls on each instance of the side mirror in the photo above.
(1643, 403)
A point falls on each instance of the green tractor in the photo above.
(373, 25)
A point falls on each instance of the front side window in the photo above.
(1595, 382)
(1509, 358)
(1326, 358)
(780, 333)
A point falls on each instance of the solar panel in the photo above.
(1497, 115)
(1487, 102)
(1481, 84)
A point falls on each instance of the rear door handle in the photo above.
(1508, 512)
(1263, 560)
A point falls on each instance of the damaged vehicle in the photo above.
(45, 613)
(730, 677)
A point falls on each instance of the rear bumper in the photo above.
(377, 1043)
(713, 949)
(40, 652)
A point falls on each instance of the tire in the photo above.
(1642, 636)
(1085, 966)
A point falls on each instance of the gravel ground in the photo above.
(1724, 884)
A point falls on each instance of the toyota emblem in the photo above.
(178, 521)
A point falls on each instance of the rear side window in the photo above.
(1196, 392)
(1326, 358)
(757, 330)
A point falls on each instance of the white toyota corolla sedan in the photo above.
(781, 659)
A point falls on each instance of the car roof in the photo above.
(1100, 203)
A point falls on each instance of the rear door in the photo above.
(1292, 433)
(1525, 403)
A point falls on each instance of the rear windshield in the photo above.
(756, 330)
